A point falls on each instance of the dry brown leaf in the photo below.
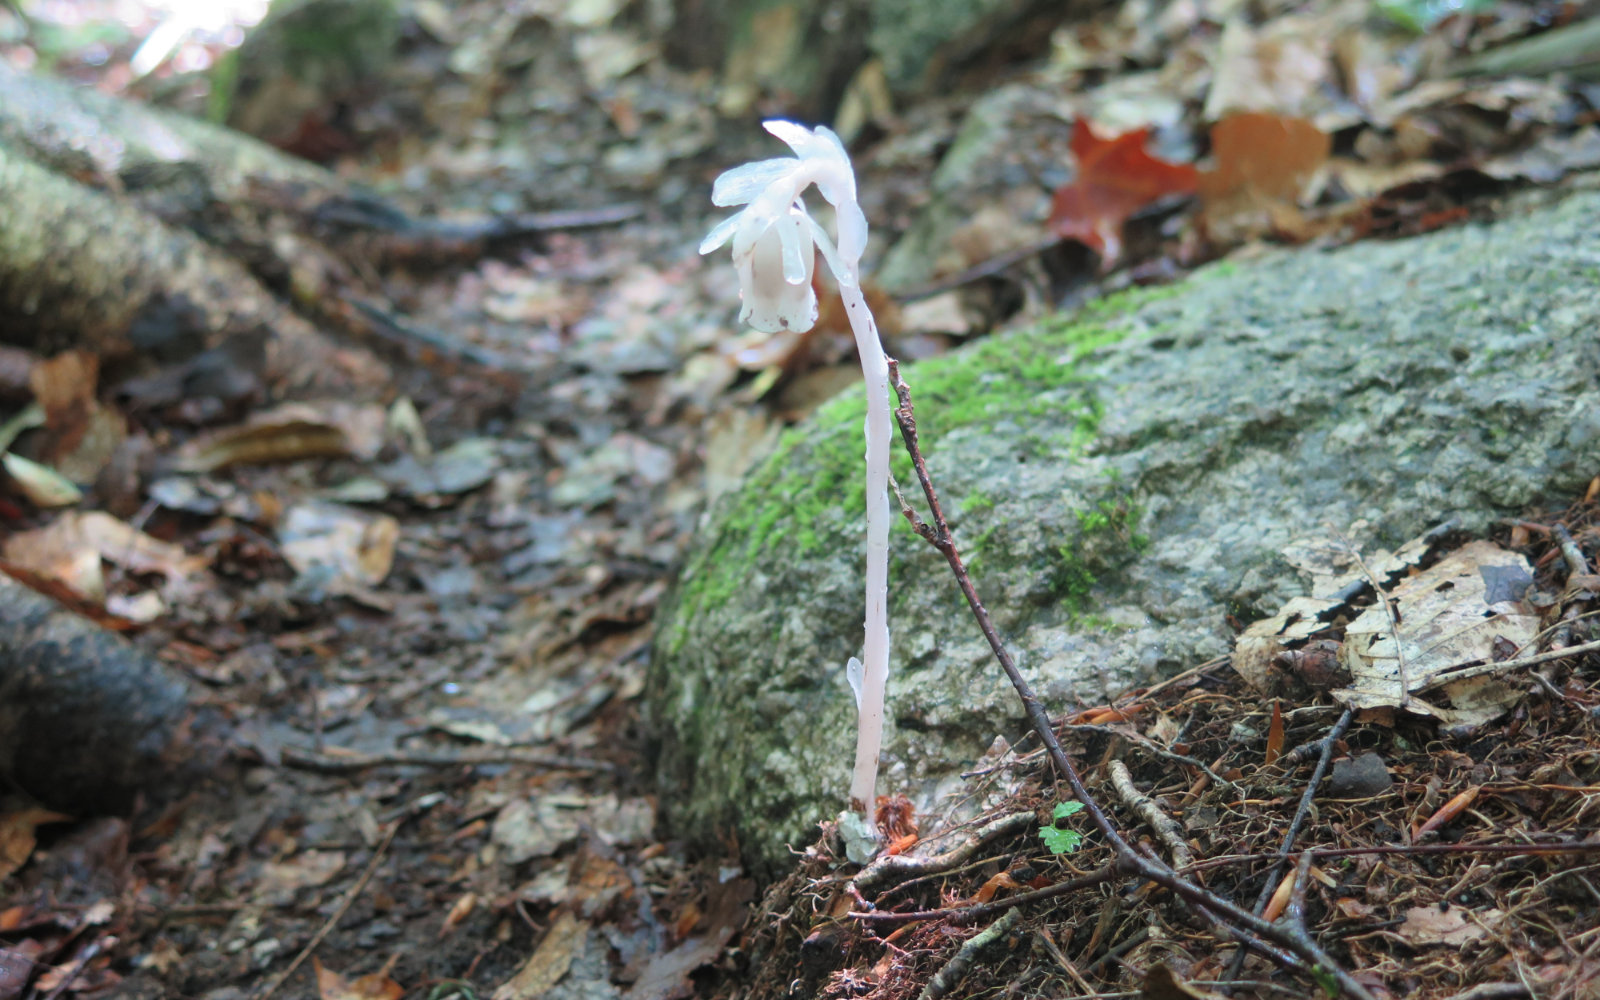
(347, 549)
(1161, 983)
(1263, 157)
(64, 386)
(1449, 615)
(1361, 180)
(563, 943)
(288, 433)
(1279, 901)
(1279, 67)
(599, 882)
(1003, 880)
(17, 836)
(1303, 618)
(459, 911)
(372, 986)
(1275, 733)
(43, 486)
(81, 435)
(304, 870)
(1429, 925)
(1549, 159)
(1367, 63)
(1116, 178)
(1450, 810)
(736, 437)
(666, 975)
(71, 548)
(1265, 166)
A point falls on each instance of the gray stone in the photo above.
(1121, 481)
(1359, 777)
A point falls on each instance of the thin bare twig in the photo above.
(1577, 565)
(952, 972)
(1300, 813)
(338, 912)
(977, 911)
(1042, 935)
(1151, 746)
(1295, 916)
(1195, 671)
(1449, 676)
(1240, 923)
(79, 964)
(1494, 991)
(1414, 850)
(1165, 828)
(891, 869)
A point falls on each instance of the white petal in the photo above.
(799, 138)
(720, 233)
(838, 181)
(771, 303)
(754, 222)
(844, 275)
(832, 138)
(794, 236)
(852, 225)
(741, 184)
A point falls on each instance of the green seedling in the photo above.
(1057, 839)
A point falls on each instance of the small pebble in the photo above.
(1359, 777)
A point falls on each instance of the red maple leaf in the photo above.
(1116, 178)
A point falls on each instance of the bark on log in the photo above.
(133, 230)
(80, 268)
(87, 720)
(124, 145)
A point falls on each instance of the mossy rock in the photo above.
(1121, 480)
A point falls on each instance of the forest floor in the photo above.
(437, 784)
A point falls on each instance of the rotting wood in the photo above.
(80, 268)
(88, 721)
(1164, 826)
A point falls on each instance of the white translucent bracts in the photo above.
(775, 242)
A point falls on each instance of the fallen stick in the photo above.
(338, 912)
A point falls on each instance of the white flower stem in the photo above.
(875, 656)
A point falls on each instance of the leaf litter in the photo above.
(500, 542)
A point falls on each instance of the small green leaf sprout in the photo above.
(1056, 839)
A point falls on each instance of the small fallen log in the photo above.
(80, 268)
(88, 721)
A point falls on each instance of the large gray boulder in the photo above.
(1122, 480)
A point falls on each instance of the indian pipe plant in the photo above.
(774, 250)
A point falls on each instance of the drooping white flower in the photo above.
(775, 242)
(774, 236)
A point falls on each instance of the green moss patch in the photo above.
(809, 489)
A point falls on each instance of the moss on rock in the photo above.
(1121, 479)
